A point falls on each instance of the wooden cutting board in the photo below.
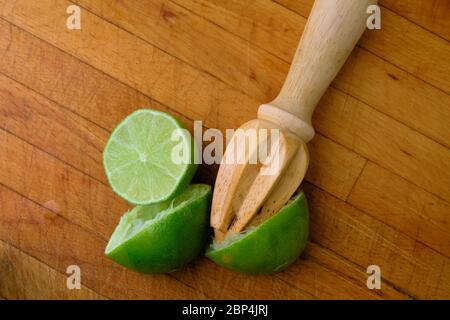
(378, 184)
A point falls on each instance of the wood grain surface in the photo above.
(378, 183)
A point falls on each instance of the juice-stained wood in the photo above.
(37, 186)
(115, 281)
(32, 187)
(24, 277)
(105, 101)
(94, 208)
(99, 272)
(60, 243)
(89, 244)
(213, 281)
(408, 208)
(307, 279)
(58, 153)
(90, 92)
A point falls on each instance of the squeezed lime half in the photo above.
(269, 247)
(163, 237)
(138, 158)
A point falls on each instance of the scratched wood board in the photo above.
(378, 183)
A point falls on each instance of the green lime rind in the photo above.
(137, 158)
(270, 247)
(163, 237)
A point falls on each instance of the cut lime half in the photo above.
(269, 247)
(139, 157)
(165, 236)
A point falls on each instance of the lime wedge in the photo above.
(138, 158)
(269, 247)
(165, 236)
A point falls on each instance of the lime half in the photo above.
(138, 158)
(163, 237)
(269, 247)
